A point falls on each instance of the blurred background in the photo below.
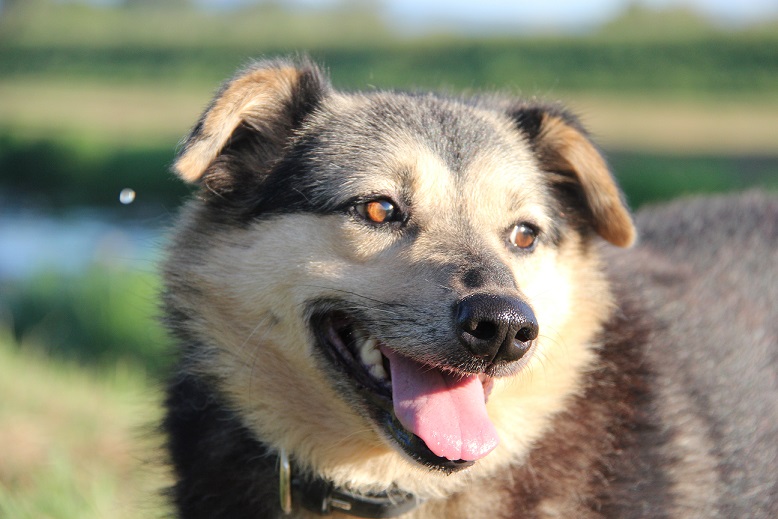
(95, 95)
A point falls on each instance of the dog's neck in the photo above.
(321, 497)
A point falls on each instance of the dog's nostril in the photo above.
(482, 330)
(527, 333)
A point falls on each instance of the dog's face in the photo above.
(392, 287)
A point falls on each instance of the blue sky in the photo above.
(562, 14)
(526, 15)
(574, 10)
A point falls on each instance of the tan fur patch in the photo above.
(563, 148)
(256, 98)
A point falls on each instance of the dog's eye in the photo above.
(524, 236)
(378, 211)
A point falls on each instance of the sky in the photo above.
(561, 14)
(525, 14)
(507, 16)
(570, 11)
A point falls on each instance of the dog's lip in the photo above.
(335, 331)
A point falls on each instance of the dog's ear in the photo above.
(260, 107)
(575, 165)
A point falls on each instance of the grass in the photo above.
(67, 170)
(724, 126)
(77, 442)
(147, 114)
(97, 318)
(71, 143)
(717, 65)
(162, 23)
(102, 112)
(679, 52)
(68, 143)
(655, 178)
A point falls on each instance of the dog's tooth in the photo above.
(372, 359)
(369, 353)
(366, 344)
(378, 371)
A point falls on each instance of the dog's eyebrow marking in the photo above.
(423, 174)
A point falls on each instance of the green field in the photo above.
(82, 359)
(187, 46)
(78, 443)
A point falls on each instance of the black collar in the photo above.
(322, 497)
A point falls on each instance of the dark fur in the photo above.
(223, 471)
(694, 336)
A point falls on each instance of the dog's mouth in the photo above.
(437, 415)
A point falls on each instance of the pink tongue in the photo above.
(446, 411)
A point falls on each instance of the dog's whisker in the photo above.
(352, 293)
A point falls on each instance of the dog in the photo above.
(412, 305)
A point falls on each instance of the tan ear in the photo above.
(266, 98)
(567, 153)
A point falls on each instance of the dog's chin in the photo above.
(352, 352)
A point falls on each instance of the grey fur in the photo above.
(708, 270)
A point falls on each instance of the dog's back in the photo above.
(706, 270)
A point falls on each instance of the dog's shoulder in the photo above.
(705, 275)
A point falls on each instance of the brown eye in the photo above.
(524, 236)
(378, 211)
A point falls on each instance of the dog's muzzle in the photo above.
(430, 400)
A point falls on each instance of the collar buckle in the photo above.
(284, 482)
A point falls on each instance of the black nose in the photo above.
(497, 329)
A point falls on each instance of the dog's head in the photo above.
(383, 282)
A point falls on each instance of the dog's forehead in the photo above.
(424, 144)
